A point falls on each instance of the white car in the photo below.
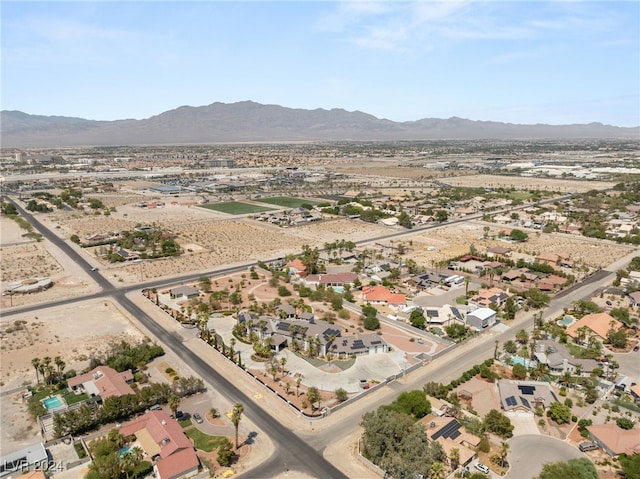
(482, 468)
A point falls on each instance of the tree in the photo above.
(313, 395)
(130, 460)
(630, 465)
(298, 382)
(371, 323)
(572, 469)
(536, 298)
(518, 235)
(519, 371)
(498, 423)
(436, 471)
(510, 347)
(35, 362)
(504, 450)
(404, 220)
(441, 216)
(341, 395)
(559, 413)
(454, 458)
(236, 416)
(417, 319)
(617, 339)
(624, 423)
(413, 403)
(225, 453)
(522, 336)
(174, 403)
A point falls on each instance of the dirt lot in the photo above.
(455, 240)
(72, 332)
(527, 183)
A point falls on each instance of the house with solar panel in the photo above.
(525, 396)
(448, 432)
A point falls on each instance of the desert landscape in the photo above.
(74, 333)
(436, 245)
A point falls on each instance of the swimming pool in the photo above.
(338, 289)
(566, 321)
(124, 450)
(527, 363)
(52, 403)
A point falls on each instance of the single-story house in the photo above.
(296, 267)
(598, 323)
(448, 432)
(487, 297)
(186, 292)
(615, 440)
(27, 458)
(336, 279)
(102, 381)
(525, 395)
(558, 359)
(163, 438)
(382, 295)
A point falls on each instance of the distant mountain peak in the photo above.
(248, 121)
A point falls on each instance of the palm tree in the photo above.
(504, 450)
(236, 416)
(495, 349)
(46, 368)
(174, 403)
(283, 361)
(436, 471)
(35, 362)
(130, 460)
(466, 286)
(60, 364)
(454, 457)
(298, 382)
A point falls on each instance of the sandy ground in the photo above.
(527, 183)
(72, 332)
(24, 259)
(455, 240)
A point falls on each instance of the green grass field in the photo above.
(236, 208)
(203, 441)
(287, 201)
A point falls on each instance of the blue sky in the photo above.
(521, 62)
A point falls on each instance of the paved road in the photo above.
(292, 453)
(529, 453)
(302, 455)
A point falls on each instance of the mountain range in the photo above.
(248, 121)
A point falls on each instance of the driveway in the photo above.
(530, 452)
(524, 423)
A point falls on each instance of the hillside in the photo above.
(253, 122)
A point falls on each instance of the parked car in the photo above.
(197, 418)
(155, 407)
(180, 415)
(482, 468)
(588, 446)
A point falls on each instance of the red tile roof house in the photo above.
(615, 440)
(102, 381)
(598, 323)
(163, 440)
(382, 295)
(296, 267)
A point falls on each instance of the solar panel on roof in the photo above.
(450, 430)
(525, 402)
(456, 312)
(511, 401)
(432, 313)
(527, 389)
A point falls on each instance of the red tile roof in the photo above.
(166, 432)
(107, 381)
(177, 464)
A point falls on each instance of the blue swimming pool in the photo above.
(527, 363)
(338, 289)
(567, 320)
(124, 450)
(52, 403)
